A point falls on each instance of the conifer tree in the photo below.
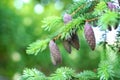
(80, 16)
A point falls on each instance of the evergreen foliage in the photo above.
(37, 46)
(63, 73)
(32, 74)
(81, 12)
(87, 75)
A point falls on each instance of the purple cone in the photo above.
(111, 6)
(67, 18)
(54, 53)
(89, 35)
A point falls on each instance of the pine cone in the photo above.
(67, 18)
(67, 45)
(75, 41)
(89, 35)
(111, 6)
(54, 53)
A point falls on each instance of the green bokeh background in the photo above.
(20, 25)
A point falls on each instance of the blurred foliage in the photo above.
(33, 74)
(20, 26)
(62, 73)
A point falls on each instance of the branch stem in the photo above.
(77, 9)
(57, 37)
(89, 20)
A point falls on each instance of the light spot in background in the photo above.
(16, 56)
(16, 76)
(18, 4)
(27, 21)
(98, 34)
(111, 37)
(26, 1)
(59, 5)
(39, 9)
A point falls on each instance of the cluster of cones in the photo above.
(72, 41)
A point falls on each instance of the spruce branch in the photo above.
(63, 73)
(105, 70)
(38, 46)
(100, 8)
(87, 75)
(59, 30)
(71, 27)
(78, 14)
(32, 74)
(80, 7)
(52, 23)
(108, 18)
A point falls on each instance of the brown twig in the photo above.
(77, 9)
(89, 20)
(57, 37)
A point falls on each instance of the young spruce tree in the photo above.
(82, 15)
